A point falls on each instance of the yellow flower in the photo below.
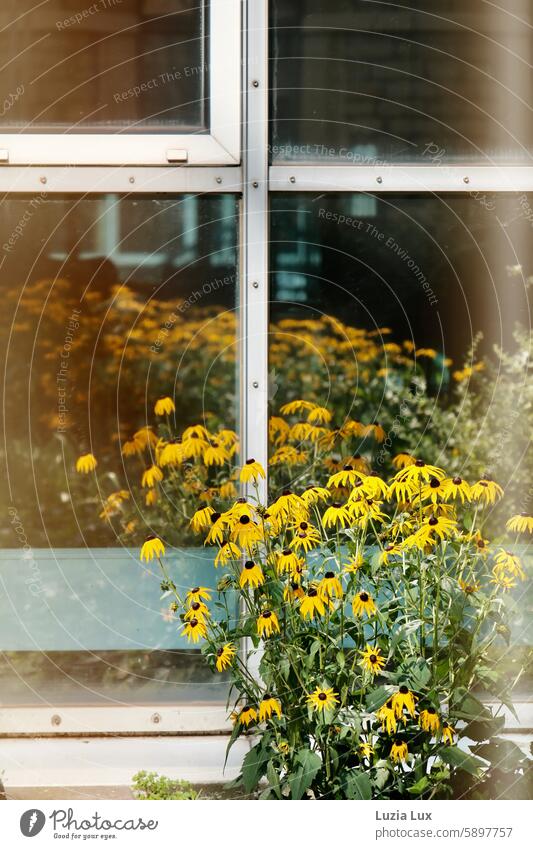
(469, 587)
(320, 415)
(365, 750)
(227, 552)
(245, 532)
(251, 575)
(399, 751)
(330, 586)
(335, 515)
(323, 699)
(428, 720)
(346, 477)
(152, 547)
(313, 494)
(436, 526)
(130, 447)
(387, 716)
(152, 476)
(194, 630)
(287, 561)
(419, 471)
(503, 582)
(247, 715)
(521, 524)
(456, 488)
(215, 454)
(293, 591)
(306, 537)
(447, 734)
(389, 551)
(151, 497)
(201, 520)
(164, 407)
(86, 463)
(363, 603)
(373, 661)
(404, 698)
(197, 594)
(433, 491)
(400, 461)
(506, 561)
(225, 655)
(173, 453)
(312, 603)
(354, 564)
(197, 610)
(374, 430)
(374, 487)
(487, 491)
(251, 471)
(296, 407)
(267, 624)
(288, 506)
(268, 707)
(227, 491)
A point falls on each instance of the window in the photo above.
(385, 194)
(120, 82)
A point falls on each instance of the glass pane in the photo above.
(358, 82)
(110, 303)
(378, 304)
(111, 64)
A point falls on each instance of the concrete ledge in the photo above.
(111, 762)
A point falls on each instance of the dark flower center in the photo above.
(244, 520)
(363, 597)
(312, 593)
(286, 492)
(330, 575)
(420, 464)
(304, 526)
(150, 537)
(433, 521)
(214, 517)
(195, 590)
(267, 614)
(404, 690)
(195, 605)
(434, 483)
(286, 552)
(322, 697)
(372, 658)
(250, 461)
(457, 481)
(249, 564)
(432, 711)
(220, 652)
(193, 623)
(348, 468)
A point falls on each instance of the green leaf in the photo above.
(358, 786)
(421, 785)
(503, 754)
(273, 779)
(302, 778)
(254, 766)
(376, 698)
(461, 760)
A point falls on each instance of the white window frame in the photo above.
(219, 146)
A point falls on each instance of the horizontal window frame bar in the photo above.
(401, 178)
(156, 718)
(123, 180)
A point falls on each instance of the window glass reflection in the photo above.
(362, 81)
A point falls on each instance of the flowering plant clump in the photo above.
(368, 612)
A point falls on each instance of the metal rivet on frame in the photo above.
(43, 179)
(255, 83)
(255, 184)
(379, 180)
(56, 719)
(218, 180)
(255, 284)
(155, 718)
(132, 179)
(466, 179)
(255, 384)
(292, 179)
